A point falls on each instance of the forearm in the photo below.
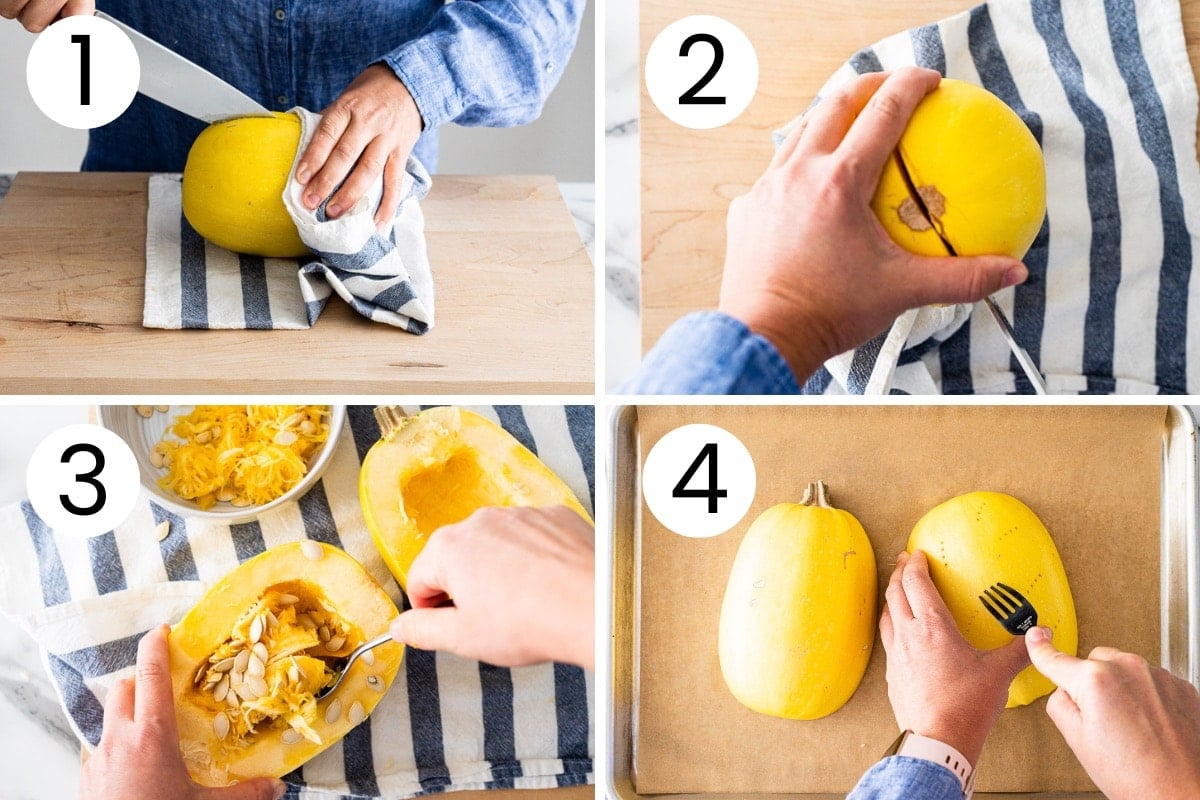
(712, 353)
(488, 62)
(904, 778)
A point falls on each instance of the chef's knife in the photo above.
(1031, 371)
(173, 80)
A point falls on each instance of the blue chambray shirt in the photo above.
(473, 62)
(904, 778)
(712, 353)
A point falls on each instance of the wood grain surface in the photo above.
(689, 177)
(515, 302)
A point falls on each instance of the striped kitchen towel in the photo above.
(386, 277)
(446, 724)
(1111, 304)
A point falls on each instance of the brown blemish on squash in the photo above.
(922, 215)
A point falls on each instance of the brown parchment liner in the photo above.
(1091, 473)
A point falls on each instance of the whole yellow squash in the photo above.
(975, 540)
(249, 658)
(798, 618)
(978, 173)
(233, 185)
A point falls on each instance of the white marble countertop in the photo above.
(39, 755)
(622, 256)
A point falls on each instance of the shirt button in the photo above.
(281, 99)
(280, 14)
(549, 67)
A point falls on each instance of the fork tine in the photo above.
(1016, 596)
(1004, 603)
(991, 609)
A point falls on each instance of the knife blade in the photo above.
(174, 81)
(1031, 371)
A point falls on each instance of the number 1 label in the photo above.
(82, 72)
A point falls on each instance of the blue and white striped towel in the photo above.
(446, 724)
(386, 277)
(1111, 304)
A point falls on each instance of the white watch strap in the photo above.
(916, 746)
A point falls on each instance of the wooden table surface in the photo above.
(689, 177)
(515, 303)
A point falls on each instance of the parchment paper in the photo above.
(1091, 473)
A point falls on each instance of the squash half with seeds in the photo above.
(248, 660)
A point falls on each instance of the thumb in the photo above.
(960, 280)
(256, 789)
(438, 628)
(1011, 658)
(1056, 665)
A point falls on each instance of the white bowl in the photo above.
(141, 434)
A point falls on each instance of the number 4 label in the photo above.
(698, 480)
(701, 72)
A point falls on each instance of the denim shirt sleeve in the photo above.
(904, 778)
(488, 62)
(712, 353)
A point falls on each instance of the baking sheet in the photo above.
(1092, 474)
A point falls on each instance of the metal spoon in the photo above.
(350, 659)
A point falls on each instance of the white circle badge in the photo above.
(82, 480)
(701, 72)
(82, 72)
(699, 480)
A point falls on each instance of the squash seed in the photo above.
(288, 599)
(356, 713)
(257, 685)
(145, 412)
(291, 736)
(312, 550)
(162, 530)
(162, 409)
(222, 690)
(272, 620)
(221, 725)
(256, 668)
(285, 438)
(232, 699)
(256, 629)
(335, 643)
(225, 494)
(323, 633)
(260, 651)
(375, 683)
(156, 458)
(294, 673)
(333, 711)
(308, 428)
(368, 658)
(240, 662)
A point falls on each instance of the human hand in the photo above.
(1135, 728)
(138, 755)
(37, 15)
(521, 580)
(368, 130)
(807, 263)
(939, 685)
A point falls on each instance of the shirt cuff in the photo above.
(421, 68)
(903, 778)
(712, 353)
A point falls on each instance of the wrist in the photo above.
(792, 339)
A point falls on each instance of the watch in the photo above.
(915, 745)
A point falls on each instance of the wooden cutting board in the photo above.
(515, 302)
(689, 177)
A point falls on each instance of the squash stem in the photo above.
(390, 419)
(816, 494)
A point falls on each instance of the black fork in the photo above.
(1010, 607)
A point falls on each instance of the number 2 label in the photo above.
(701, 72)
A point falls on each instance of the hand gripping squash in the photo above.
(247, 660)
(438, 467)
(977, 539)
(233, 185)
(967, 178)
(798, 618)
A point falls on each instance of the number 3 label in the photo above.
(701, 72)
(699, 480)
(82, 480)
